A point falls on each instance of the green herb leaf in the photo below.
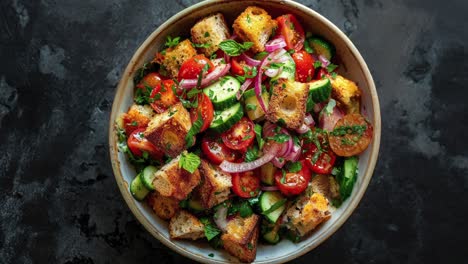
(280, 138)
(171, 42)
(251, 107)
(211, 231)
(195, 129)
(294, 166)
(251, 154)
(329, 108)
(189, 162)
(317, 64)
(307, 47)
(233, 48)
(331, 67)
(201, 45)
(245, 210)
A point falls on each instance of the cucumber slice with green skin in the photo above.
(225, 119)
(322, 47)
(320, 90)
(223, 92)
(251, 92)
(272, 237)
(347, 178)
(267, 173)
(289, 70)
(269, 201)
(138, 189)
(147, 177)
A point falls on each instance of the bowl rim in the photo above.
(123, 186)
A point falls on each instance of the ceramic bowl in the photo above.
(352, 65)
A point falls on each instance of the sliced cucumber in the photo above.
(320, 90)
(147, 177)
(289, 70)
(138, 189)
(322, 47)
(223, 120)
(223, 92)
(251, 92)
(253, 108)
(269, 201)
(347, 178)
(267, 173)
(272, 237)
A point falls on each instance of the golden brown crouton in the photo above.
(307, 213)
(215, 187)
(347, 93)
(326, 185)
(172, 58)
(137, 116)
(210, 31)
(242, 237)
(173, 181)
(184, 225)
(256, 26)
(164, 207)
(167, 130)
(288, 103)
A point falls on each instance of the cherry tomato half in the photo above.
(240, 135)
(304, 66)
(217, 152)
(163, 96)
(192, 67)
(293, 183)
(292, 31)
(246, 184)
(324, 162)
(152, 80)
(137, 144)
(205, 109)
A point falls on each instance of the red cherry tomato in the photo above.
(304, 66)
(163, 96)
(137, 144)
(152, 80)
(237, 66)
(192, 67)
(325, 161)
(322, 73)
(246, 184)
(205, 109)
(292, 31)
(293, 183)
(217, 152)
(240, 135)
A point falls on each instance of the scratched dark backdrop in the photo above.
(60, 62)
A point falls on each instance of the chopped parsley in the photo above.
(251, 107)
(280, 138)
(211, 231)
(331, 67)
(189, 162)
(171, 42)
(251, 154)
(317, 64)
(195, 129)
(294, 166)
(201, 45)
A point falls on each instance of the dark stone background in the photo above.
(61, 61)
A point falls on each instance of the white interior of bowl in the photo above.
(352, 66)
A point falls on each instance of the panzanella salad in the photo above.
(244, 133)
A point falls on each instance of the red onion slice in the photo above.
(250, 61)
(269, 188)
(303, 129)
(217, 73)
(328, 121)
(309, 120)
(295, 153)
(220, 217)
(244, 87)
(324, 61)
(270, 153)
(275, 44)
(278, 163)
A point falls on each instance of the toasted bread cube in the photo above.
(164, 207)
(347, 93)
(175, 182)
(326, 185)
(184, 225)
(137, 116)
(167, 130)
(288, 103)
(215, 187)
(307, 213)
(255, 25)
(242, 237)
(210, 31)
(172, 58)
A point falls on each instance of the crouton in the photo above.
(173, 181)
(164, 207)
(326, 185)
(215, 186)
(167, 130)
(210, 31)
(307, 213)
(288, 103)
(241, 237)
(255, 25)
(138, 116)
(184, 225)
(172, 58)
(347, 93)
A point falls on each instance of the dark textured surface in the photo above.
(61, 61)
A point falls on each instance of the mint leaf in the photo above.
(233, 48)
(189, 162)
(211, 231)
